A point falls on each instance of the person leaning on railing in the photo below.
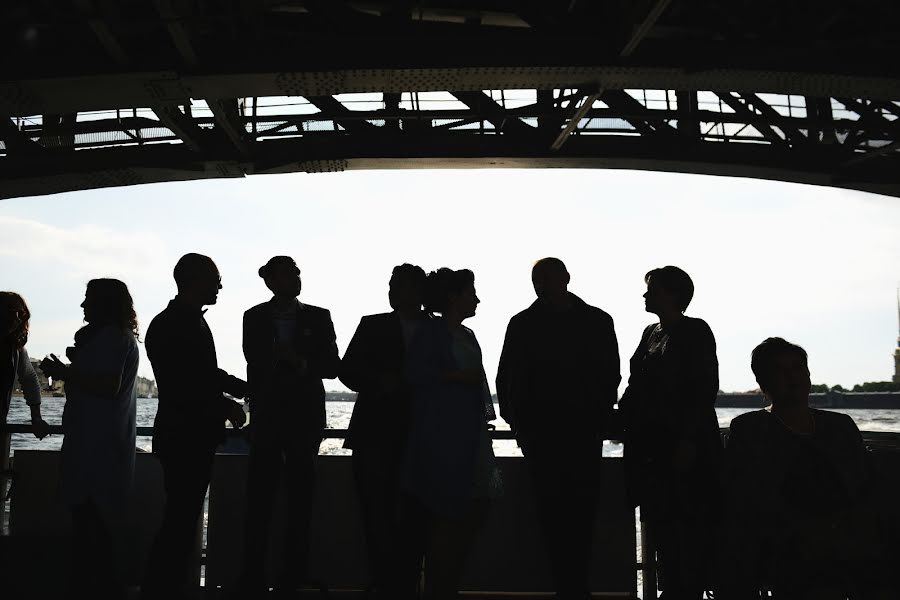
(798, 513)
(15, 363)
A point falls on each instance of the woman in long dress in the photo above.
(98, 451)
(672, 442)
(451, 472)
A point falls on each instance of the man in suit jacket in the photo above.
(190, 419)
(561, 343)
(373, 366)
(290, 348)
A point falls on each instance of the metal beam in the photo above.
(688, 121)
(621, 100)
(497, 115)
(181, 125)
(882, 151)
(644, 28)
(16, 141)
(576, 113)
(332, 109)
(631, 45)
(102, 31)
(742, 109)
(178, 32)
(57, 171)
(793, 134)
(228, 121)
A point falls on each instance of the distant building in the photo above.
(897, 350)
(146, 388)
(46, 388)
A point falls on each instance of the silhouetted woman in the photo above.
(450, 467)
(15, 363)
(672, 442)
(99, 426)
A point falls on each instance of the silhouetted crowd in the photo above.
(783, 506)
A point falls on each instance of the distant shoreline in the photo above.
(864, 400)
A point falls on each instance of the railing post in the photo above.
(648, 562)
(5, 438)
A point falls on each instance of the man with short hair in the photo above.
(190, 418)
(561, 343)
(373, 366)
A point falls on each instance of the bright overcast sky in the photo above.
(817, 266)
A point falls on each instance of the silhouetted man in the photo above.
(290, 348)
(373, 366)
(190, 419)
(556, 385)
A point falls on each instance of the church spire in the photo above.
(897, 351)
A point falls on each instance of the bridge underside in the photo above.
(98, 93)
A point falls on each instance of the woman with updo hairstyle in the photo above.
(15, 363)
(450, 472)
(98, 450)
(672, 443)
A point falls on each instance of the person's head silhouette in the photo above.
(669, 291)
(14, 319)
(282, 277)
(406, 288)
(198, 279)
(550, 279)
(108, 302)
(782, 372)
(452, 294)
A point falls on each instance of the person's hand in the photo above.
(53, 367)
(236, 415)
(40, 428)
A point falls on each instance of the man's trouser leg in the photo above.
(185, 479)
(265, 467)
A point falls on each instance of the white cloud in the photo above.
(84, 251)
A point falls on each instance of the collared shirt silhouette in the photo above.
(558, 344)
(290, 348)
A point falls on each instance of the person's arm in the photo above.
(323, 361)
(356, 371)
(635, 376)
(230, 384)
(698, 383)
(506, 374)
(31, 389)
(98, 368)
(609, 373)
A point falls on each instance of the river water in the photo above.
(338, 417)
